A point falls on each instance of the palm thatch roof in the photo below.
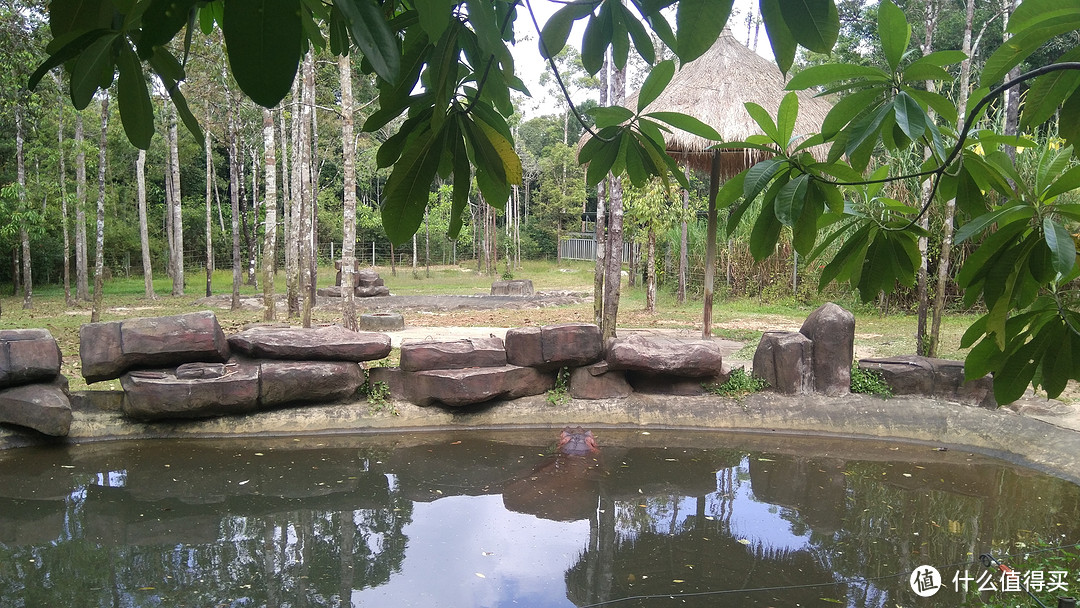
(713, 89)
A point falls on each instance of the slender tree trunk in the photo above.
(292, 218)
(63, 193)
(24, 234)
(600, 237)
(82, 288)
(234, 200)
(650, 271)
(99, 245)
(210, 177)
(613, 280)
(170, 240)
(684, 261)
(306, 202)
(253, 252)
(1012, 96)
(922, 342)
(270, 236)
(178, 218)
(950, 205)
(710, 248)
(144, 232)
(348, 246)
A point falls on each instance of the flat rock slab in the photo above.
(28, 356)
(515, 287)
(157, 394)
(941, 378)
(665, 355)
(332, 343)
(42, 407)
(554, 346)
(461, 387)
(286, 382)
(422, 355)
(109, 349)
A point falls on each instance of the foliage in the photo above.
(739, 384)
(869, 382)
(378, 397)
(560, 395)
(1037, 557)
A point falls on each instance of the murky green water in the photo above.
(495, 519)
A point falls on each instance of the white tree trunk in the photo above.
(307, 203)
(144, 232)
(24, 234)
(82, 288)
(292, 218)
(209, 208)
(348, 246)
(270, 236)
(234, 201)
(99, 245)
(178, 220)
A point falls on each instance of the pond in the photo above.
(499, 518)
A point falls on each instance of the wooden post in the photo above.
(710, 246)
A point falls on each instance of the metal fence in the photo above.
(584, 248)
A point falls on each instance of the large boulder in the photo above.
(284, 382)
(42, 407)
(461, 387)
(514, 287)
(941, 378)
(28, 356)
(332, 343)
(554, 346)
(109, 349)
(785, 360)
(832, 330)
(665, 355)
(154, 394)
(421, 355)
(598, 382)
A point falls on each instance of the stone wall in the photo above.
(33, 393)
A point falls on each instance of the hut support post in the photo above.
(710, 246)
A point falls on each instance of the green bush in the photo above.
(738, 384)
(869, 382)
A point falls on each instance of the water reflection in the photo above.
(492, 519)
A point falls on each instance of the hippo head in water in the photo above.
(577, 442)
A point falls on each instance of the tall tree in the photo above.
(307, 202)
(270, 233)
(24, 231)
(234, 198)
(82, 287)
(293, 205)
(99, 240)
(177, 214)
(614, 245)
(62, 177)
(348, 148)
(209, 161)
(144, 235)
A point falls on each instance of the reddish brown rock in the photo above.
(785, 361)
(421, 355)
(155, 394)
(42, 407)
(461, 387)
(832, 330)
(941, 378)
(393, 377)
(609, 385)
(284, 382)
(28, 356)
(332, 343)
(665, 355)
(554, 346)
(107, 350)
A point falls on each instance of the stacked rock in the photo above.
(33, 393)
(366, 284)
(184, 367)
(817, 358)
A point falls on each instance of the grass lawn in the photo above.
(740, 319)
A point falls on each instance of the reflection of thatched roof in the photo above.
(713, 89)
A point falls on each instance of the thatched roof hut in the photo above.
(713, 89)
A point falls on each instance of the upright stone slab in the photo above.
(665, 355)
(109, 349)
(461, 387)
(514, 287)
(28, 356)
(554, 346)
(333, 343)
(832, 330)
(785, 361)
(42, 407)
(421, 355)
(598, 382)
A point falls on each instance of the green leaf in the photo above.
(595, 40)
(373, 36)
(1061, 244)
(642, 41)
(1034, 12)
(210, 13)
(910, 116)
(462, 185)
(1070, 180)
(780, 37)
(790, 200)
(434, 16)
(162, 20)
(939, 59)
(69, 17)
(698, 24)
(136, 109)
(894, 32)
(263, 39)
(610, 115)
(786, 115)
(1023, 44)
(407, 188)
(93, 70)
(557, 28)
(655, 83)
(815, 24)
(767, 228)
(758, 176)
(826, 73)
(938, 102)
(69, 50)
(866, 130)
(923, 72)
(764, 120)
(978, 263)
(620, 39)
(686, 123)
(848, 109)
(1048, 92)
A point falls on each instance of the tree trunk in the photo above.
(99, 244)
(234, 201)
(684, 260)
(178, 219)
(710, 248)
(650, 273)
(210, 177)
(600, 236)
(348, 245)
(82, 289)
(1012, 96)
(144, 232)
(614, 246)
(24, 233)
(921, 339)
(306, 202)
(950, 205)
(63, 193)
(292, 215)
(270, 236)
